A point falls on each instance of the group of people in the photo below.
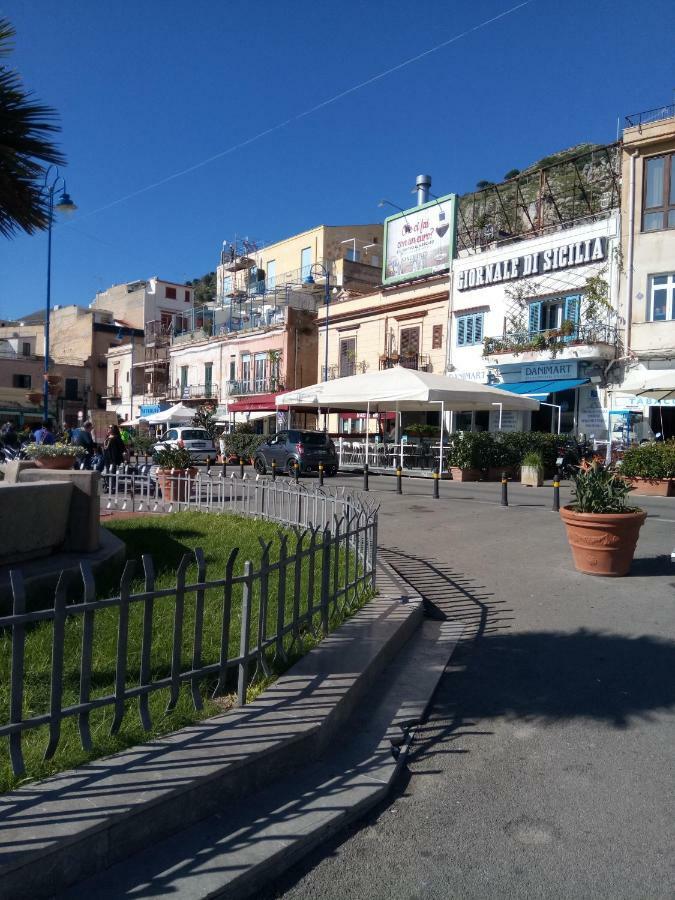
(114, 451)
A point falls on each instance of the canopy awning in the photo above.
(658, 385)
(177, 413)
(404, 389)
(540, 390)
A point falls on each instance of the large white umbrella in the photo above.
(176, 413)
(656, 384)
(404, 389)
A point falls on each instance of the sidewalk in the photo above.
(545, 769)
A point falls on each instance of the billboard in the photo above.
(420, 241)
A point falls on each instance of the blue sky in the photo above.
(146, 90)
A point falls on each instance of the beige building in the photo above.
(648, 250)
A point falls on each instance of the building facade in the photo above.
(648, 278)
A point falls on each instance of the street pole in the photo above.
(45, 394)
(327, 297)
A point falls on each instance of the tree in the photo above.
(26, 149)
(205, 418)
(204, 288)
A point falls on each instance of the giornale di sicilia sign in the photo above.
(420, 241)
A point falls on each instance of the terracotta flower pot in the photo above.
(55, 462)
(603, 543)
(654, 487)
(464, 474)
(176, 485)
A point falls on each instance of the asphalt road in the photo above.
(545, 768)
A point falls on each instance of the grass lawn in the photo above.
(167, 539)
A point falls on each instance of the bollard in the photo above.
(320, 474)
(437, 478)
(399, 480)
(224, 469)
(208, 465)
(505, 490)
(241, 467)
(274, 470)
(556, 492)
(297, 472)
(365, 477)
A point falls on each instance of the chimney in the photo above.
(423, 183)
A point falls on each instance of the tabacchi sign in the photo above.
(419, 241)
(576, 254)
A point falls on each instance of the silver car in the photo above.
(196, 440)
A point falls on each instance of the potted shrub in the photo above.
(174, 473)
(500, 457)
(601, 528)
(650, 468)
(464, 456)
(53, 456)
(532, 469)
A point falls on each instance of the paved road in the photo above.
(545, 769)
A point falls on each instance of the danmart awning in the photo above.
(539, 390)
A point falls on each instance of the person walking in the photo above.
(82, 437)
(114, 451)
(44, 434)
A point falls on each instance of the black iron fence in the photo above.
(287, 592)
(651, 115)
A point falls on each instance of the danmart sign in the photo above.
(524, 266)
(419, 241)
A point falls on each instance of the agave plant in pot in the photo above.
(601, 527)
(175, 473)
(532, 469)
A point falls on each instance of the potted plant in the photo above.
(650, 468)
(601, 528)
(464, 459)
(53, 456)
(174, 473)
(532, 469)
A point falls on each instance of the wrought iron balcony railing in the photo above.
(418, 361)
(254, 386)
(651, 115)
(550, 339)
(193, 392)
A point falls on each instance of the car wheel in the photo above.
(290, 466)
(259, 465)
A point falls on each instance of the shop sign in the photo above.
(549, 371)
(479, 375)
(593, 417)
(530, 264)
(628, 401)
(419, 241)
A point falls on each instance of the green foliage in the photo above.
(470, 449)
(512, 173)
(142, 444)
(204, 288)
(205, 418)
(600, 490)
(533, 460)
(242, 444)
(650, 461)
(50, 451)
(485, 449)
(172, 458)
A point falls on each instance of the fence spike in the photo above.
(56, 693)
(262, 609)
(177, 633)
(225, 623)
(242, 681)
(146, 641)
(122, 644)
(89, 595)
(17, 677)
(198, 629)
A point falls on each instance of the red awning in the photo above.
(388, 416)
(256, 403)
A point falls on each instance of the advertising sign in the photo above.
(420, 241)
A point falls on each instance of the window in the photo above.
(70, 388)
(116, 383)
(208, 379)
(353, 255)
(170, 293)
(347, 357)
(21, 381)
(259, 371)
(305, 262)
(470, 329)
(409, 345)
(187, 296)
(245, 370)
(271, 274)
(545, 315)
(436, 337)
(661, 299)
(233, 368)
(659, 193)
(184, 381)
(25, 348)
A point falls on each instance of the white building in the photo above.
(537, 316)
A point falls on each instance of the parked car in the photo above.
(196, 440)
(307, 448)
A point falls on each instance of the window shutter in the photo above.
(469, 329)
(461, 331)
(437, 337)
(571, 309)
(535, 317)
(478, 329)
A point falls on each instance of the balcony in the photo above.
(256, 386)
(568, 341)
(651, 115)
(192, 392)
(418, 361)
(113, 394)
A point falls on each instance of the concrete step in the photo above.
(235, 853)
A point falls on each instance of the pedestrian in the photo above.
(8, 435)
(44, 434)
(114, 451)
(82, 437)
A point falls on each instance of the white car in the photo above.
(196, 440)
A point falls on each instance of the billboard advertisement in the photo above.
(420, 241)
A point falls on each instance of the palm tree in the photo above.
(25, 144)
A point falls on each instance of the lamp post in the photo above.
(53, 182)
(323, 271)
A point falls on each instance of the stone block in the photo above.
(33, 519)
(82, 532)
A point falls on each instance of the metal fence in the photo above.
(305, 587)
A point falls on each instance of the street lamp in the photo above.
(323, 272)
(53, 182)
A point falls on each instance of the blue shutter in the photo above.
(478, 329)
(571, 313)
(535, 317)
(469, 329)
(461, 331)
